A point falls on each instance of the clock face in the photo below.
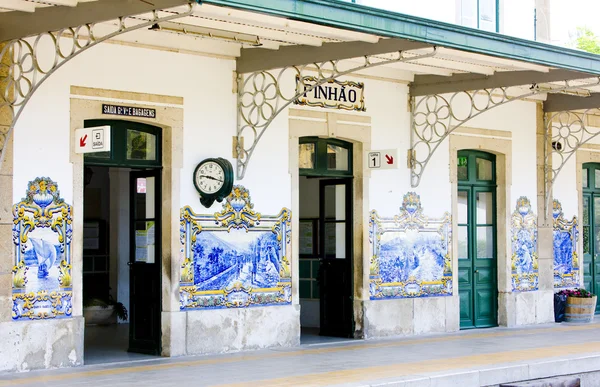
(210, 177)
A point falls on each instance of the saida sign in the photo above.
(91, 140)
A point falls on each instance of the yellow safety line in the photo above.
(302, 352)
(419, 368)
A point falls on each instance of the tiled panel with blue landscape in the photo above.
(524, 260)
(42, 234)
(411, 254)
(235, 258)
(566, 262)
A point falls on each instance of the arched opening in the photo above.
(477, 239)
(122, 244)
(326, 237)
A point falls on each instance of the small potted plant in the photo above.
(103, 312)
(580, 306)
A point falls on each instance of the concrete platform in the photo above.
(470, 358)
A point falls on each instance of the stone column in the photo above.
(6, 193)
(173, 321)
(545, 299)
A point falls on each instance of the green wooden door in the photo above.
(591, 228)
(477, 253)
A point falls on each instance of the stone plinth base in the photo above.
(41, 344)
(526, 308)
(230, 330)
(410, 316)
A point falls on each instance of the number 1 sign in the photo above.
(383, 159)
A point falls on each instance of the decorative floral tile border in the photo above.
(42, 233)
(566, 260)
(524, 259)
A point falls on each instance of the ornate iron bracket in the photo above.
(435, 117)
(263, 95)
(566, 132)
(31, 60)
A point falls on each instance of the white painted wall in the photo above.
(565, 186)
(210, 123)
(518, 118)
(206, 84)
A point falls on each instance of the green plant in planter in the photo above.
(577, 293)
(119, 308)
(580, 305)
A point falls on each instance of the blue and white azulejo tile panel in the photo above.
(235, 258)
(524, 260)
(42, 233)
(566, 261)
(411, 254)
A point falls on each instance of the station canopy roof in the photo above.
(269, 34)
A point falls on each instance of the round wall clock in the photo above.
(213, 179)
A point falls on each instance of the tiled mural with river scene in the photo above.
(42, 232)
(524, 261)
(411, 254)
(236, 257)
(566, 261)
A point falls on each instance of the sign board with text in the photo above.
(334, 94)
(92, 140)
(382, 159)
(128, 111)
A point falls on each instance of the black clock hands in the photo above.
(220, 171)
(212, 178)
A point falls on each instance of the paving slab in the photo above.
(471, 358)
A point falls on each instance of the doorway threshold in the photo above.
(107, 344)
(310, 337)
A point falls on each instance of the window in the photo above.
(324, 157)
(476, 167)
(133, 144)
(482, 14)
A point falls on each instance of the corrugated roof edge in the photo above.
(334, 13)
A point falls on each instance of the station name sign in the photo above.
(334, 94)
(129, 111)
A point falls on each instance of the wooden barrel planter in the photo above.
(580, 310)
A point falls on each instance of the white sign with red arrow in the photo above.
(383, 159)
(91, 140)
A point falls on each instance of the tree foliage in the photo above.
(587, 40)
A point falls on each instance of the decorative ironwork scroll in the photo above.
(235, 258)
(30, 61)
(435, 117)
(42, 232)
(411, 254)
(524, 261)
(263, 95)
(566, 132)
(566, 261)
